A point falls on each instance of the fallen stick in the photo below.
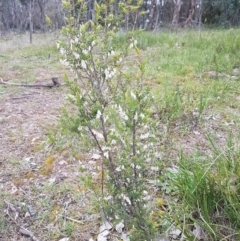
(54, 84)
(21, 230)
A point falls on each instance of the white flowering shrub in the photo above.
(113, 116)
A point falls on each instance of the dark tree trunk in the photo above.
(30, 20)
(191, 12)
(176, 12)
(6, 15)
(90, 10)
(198, 12)
(151, 15)
(42, 4)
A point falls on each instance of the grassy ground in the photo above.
(195, 78)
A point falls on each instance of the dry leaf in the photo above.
(65, 239)
(106, 226)
(103, 236)
(119, 227)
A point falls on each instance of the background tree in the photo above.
(176, 12)
(22, 15)
(42, 6)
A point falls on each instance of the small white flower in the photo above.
(98, 134)
(58, 45)
(138, 167)
(113, 142)
(93, 43)
(111, 53)
(85, 51)
(122, 113)
(136, 116)
(113, 72)
(76, 55)
(126, 199)
(144, 136)
(98, 114)
(145, 193)
(106, 118)
(83, 64)
(76, 40)
(119, 60)
(106, 154)
(62, 51)
(131, 45)
(108, 198)
(118, 169)
(64, 62)
(155, 169)
(133, 95)
(107, 73)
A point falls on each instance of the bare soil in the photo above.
(33, 174)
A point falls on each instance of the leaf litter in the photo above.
(40, 184)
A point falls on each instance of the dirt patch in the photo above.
(27, 164)
(25, 117)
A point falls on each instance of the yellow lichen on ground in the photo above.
(21, 179)
(47, 166)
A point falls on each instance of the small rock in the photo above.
(119, 227)
(27, 214)
(62, 163)
(95, 156)
(65, 239)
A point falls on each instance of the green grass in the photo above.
(20, 59)
(209, 187)
(178, 66)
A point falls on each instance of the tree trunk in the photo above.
(151, 15)
(176, 12)
(90, 10)
(41, 4)
(6, 15)
(191, 12)
(198, 12)
(30, 21)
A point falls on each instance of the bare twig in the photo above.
(74, 220)
(54, 84)
(21, 229)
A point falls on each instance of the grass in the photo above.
(20, 59)
(198, 114)
(188, 100)
(209, 187)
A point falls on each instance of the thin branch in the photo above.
(21, 229)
